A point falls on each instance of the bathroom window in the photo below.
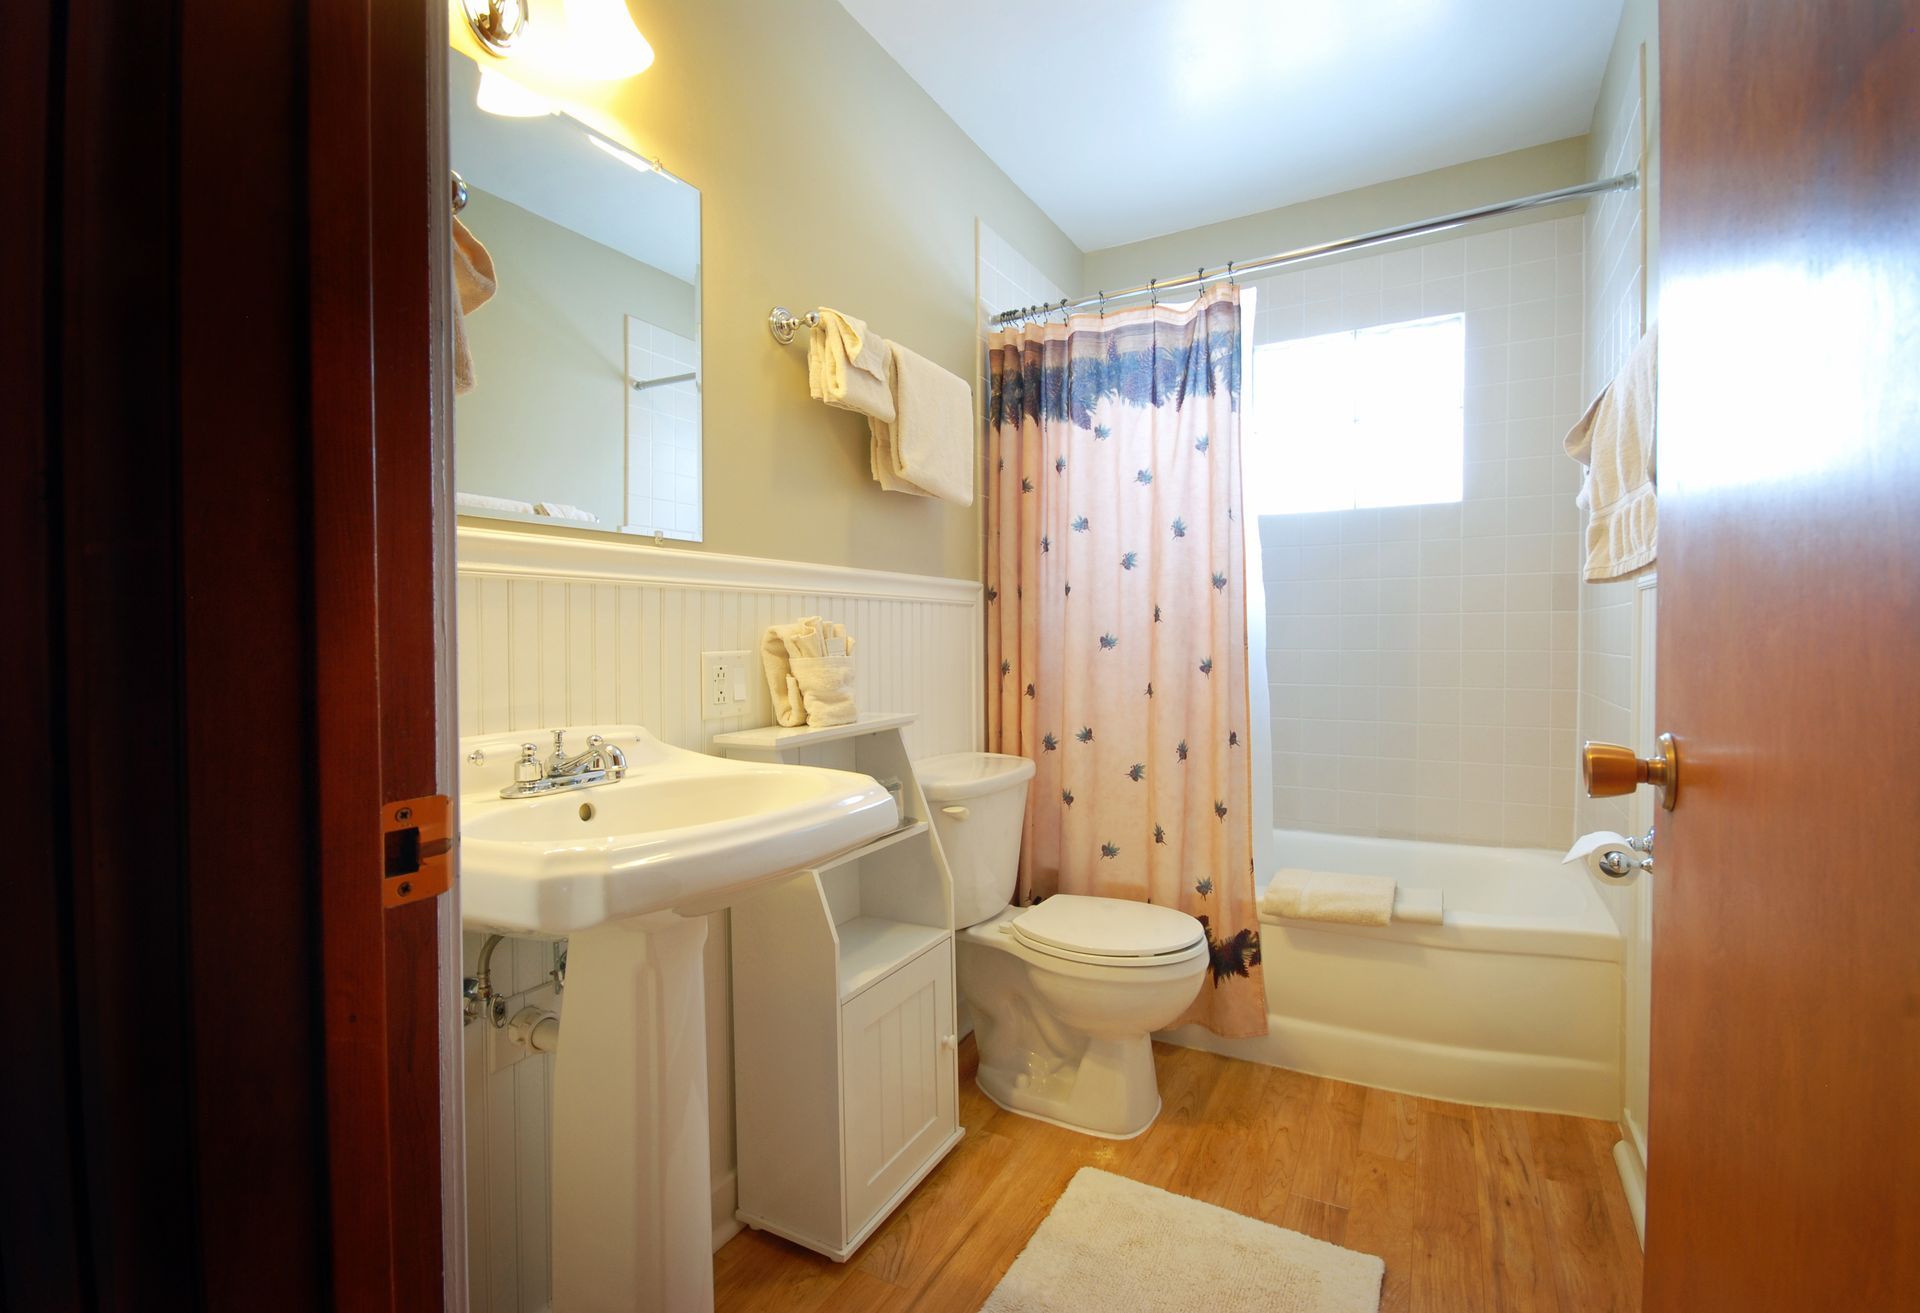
(1365, 418)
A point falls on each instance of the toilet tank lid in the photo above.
(960, 775)
(1108, 927)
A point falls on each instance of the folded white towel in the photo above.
(477, 501)
(1615, 441)
(1329, 896)
(559, 510)
(1420, 906)
(849, 367)
(928, 449)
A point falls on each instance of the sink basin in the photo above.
(682, 831)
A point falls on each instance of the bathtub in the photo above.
(1512, 1001)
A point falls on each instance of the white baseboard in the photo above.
(1630, 1159)
(726, 1198)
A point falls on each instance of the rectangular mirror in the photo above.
(584, 409)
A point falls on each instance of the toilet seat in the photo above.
(1109, 932)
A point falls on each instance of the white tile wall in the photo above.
(1614, 275)
(576, 643)
(1617, 620)
(663, 434)
(1423, 659)
(1006, 279)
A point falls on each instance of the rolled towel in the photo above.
(1420, 906)
(849, 367)
(559, 510)
(1329, 896)
(826, 689)
(788, 708)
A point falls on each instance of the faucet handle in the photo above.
(528, 769)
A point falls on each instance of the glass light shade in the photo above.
(500, 94)
(602, 42)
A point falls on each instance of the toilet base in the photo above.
(1112, 1091)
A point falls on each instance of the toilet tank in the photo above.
(979, 802)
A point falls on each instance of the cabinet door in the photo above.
(900, 1082)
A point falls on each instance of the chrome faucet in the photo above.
(601, 763)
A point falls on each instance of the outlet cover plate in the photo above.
(726, 684)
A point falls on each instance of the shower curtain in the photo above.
(1116, 620)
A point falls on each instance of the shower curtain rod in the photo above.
(1620, 182)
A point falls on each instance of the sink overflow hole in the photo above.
(586, 811)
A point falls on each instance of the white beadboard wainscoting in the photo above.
(562, 630)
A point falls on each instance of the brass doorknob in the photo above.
(1611, 770)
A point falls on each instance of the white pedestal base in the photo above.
(631, 1195)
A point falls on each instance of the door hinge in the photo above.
(417, 834)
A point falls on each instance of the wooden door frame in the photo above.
(227, 509)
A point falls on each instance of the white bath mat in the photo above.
(1111, 1244)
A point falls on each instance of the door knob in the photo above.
(1611, 770)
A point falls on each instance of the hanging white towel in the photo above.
(928, 449)
(474, 283)
(1615, 441)
(849, 367)
(559, 510)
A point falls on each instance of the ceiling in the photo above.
(1126, 119)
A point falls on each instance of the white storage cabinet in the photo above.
(846, 1090)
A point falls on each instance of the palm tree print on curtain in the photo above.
(1116, 625)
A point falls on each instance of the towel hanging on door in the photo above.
(1615, 441)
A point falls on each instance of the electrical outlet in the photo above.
(725, 683)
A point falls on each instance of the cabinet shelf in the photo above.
(770, 738)
(871, 947)
(887, 840)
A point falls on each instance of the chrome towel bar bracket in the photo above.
(783, 323)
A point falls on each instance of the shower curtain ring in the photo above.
(1153, 293)
(1103, 305)
(1230, 280)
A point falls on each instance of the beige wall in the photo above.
(547, 419)
(827, 176)
(1403, 200)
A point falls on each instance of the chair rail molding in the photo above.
(597, 559)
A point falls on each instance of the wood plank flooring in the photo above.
(1473, 1209)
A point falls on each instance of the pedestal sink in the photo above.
(625, 870)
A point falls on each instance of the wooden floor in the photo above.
(1473, 1209)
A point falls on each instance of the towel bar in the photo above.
(783, 323)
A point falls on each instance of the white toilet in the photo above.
(1065, 994)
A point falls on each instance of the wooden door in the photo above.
(1785, 1108)
(221, 458)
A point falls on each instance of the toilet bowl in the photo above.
(1065, 994)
